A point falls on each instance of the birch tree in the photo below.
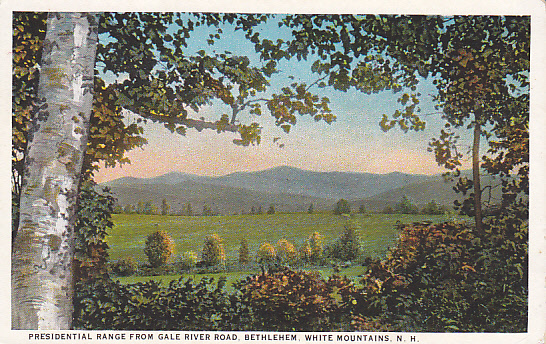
(43, 250)
(163, 83)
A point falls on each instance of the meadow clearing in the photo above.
(377, 233)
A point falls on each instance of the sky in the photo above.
(352, 143)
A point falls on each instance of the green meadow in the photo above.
(377, 231)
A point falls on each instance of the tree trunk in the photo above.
(43, 247)
(476, 177)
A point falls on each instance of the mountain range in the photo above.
(287, 188)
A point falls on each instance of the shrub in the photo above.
(129, 209)
(286, 251)
(244, 253)
(124, 267)
(158, 248)
(286, 300)
(387, 210)
(347, 247)
(304, 252)
(432, 208)
(342, 207)
(405, 207)
(165, 207)
(188, 260)
(149, 208)
(213, 251)
(182, 305)
(447, 277)
(266, 254)
(315, 244)
(207, 210)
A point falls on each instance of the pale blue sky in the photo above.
(354, 142)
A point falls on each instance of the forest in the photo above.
(75, 76)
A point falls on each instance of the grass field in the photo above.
(126, 239)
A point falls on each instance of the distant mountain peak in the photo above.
(169, 178)
(285, 168)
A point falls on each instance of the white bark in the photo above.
(43, 249)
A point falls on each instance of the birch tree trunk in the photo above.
(42, 251)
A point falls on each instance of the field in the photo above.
(377, 231)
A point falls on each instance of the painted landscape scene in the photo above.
(267, 172)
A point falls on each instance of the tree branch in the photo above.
(199, 125)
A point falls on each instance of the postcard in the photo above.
(289, 172)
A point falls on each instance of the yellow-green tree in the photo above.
(244, 253)
(159, 247)
(213, 251)
(315, 244)
(286, 251)
(266, 253)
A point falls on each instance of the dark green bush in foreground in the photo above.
(182, 305)
(446, 278)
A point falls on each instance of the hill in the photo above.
(435, 188)
(329, 185)
(288, 180)
(221, 199)
(170, 178)
(288, 189)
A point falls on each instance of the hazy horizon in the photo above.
(259, 170)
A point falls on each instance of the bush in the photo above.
(188, 260)
(347, 247)
(446, 277)
(432, 208)
(158, 248)
(304, 252)
(315, 244)
(182, 305)
(286, 251)
(266, 254)
(362, 209)
(244, 253)
(286, 300)
(387, 210)
(276, 300)
(342, 207)
(405, 207)
(124, 267)
(213, 251)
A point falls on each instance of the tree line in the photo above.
(404, 206)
